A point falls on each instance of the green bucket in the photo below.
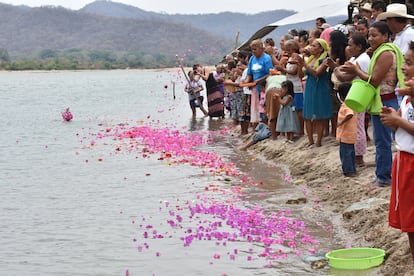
(356, 258)
(360, 95)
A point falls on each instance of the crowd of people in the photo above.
(299, 89)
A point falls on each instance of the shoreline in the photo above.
(87, 70)
(358, 214)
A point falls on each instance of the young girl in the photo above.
(287, 120)
(262, 98)
(294, 74)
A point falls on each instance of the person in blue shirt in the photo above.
(258, 68)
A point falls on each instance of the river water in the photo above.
(76, 199)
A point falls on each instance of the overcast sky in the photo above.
(188, 6)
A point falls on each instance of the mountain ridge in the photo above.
(118, 32)
(25, 31)
(225, 24)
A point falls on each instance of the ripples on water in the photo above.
(64, 212)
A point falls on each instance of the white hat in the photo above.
(342, 28)
(325, 26)
(395, 10)
(366, 7)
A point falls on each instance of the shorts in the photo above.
(262, 132)
(194, 102)
(298, 101)
(401, 212)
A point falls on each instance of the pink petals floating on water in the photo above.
(170, 144)
(67, 115)
(275, 232)
(226, 223)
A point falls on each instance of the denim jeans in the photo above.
(383, 142)
(347, 156)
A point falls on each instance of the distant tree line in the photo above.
(78, 59)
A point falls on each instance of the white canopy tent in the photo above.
(334, 8)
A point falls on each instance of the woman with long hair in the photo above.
(338, 43)
(356, 50)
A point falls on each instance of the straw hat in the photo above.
(366, 7)
(395, 10)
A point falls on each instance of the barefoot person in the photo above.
(193, 89)
(402, 122)
(317, 103)
(287, 121)
(262, 132)
(215, 99)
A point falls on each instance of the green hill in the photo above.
(26, 31)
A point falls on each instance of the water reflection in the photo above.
(205, 123)
(216, 124)
(197, 124)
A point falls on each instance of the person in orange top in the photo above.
(346, 132)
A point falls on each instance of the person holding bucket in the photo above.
(383, 73)
(356, 49)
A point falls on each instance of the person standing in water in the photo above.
(193, 89)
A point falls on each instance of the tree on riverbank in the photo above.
(78, 59)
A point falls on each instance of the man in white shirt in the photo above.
(398, 21)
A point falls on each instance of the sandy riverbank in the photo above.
(360, 214)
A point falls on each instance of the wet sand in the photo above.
(359, 214)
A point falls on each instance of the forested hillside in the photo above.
(225, 24)
(106, 34)
(52, 30)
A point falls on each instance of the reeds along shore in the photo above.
(319, 169)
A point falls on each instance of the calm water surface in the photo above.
(69, 208)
